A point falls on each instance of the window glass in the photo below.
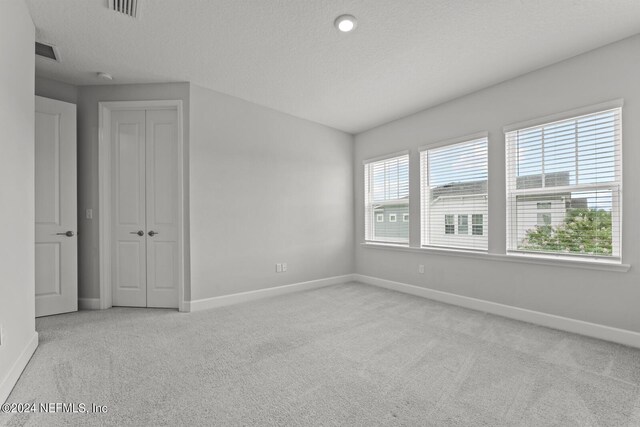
(564, 186)
(387, 196)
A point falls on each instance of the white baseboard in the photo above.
(88, 303)
(14, 373)
(594, 330)
(206, 303)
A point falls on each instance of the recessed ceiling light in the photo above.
(346, 23)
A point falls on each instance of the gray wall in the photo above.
(266, 188)
(607, 298)
(88, 98)
(17, 298)
(56, 90)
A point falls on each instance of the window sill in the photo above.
(518, 258)
(387, 244)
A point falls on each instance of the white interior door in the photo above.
(128, 257)
(56, 245)
(145, 208)
(162, 208)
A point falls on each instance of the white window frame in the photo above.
(424, 205)
(405, 217)
(379, 217)
(474, 224)
(369, 212)
(393, 218)
(614, 187)
(543, 219)
(459, 216)
(452, 217)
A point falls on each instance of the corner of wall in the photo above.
(17, 185)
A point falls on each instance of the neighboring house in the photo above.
(544, 209)
(458, 214)
(458, 210)
(391, 220)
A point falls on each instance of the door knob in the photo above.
(153, 233)
(66, 233)
(139, 233)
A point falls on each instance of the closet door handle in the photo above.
(139, 233)
(66, 233)
(153, 233)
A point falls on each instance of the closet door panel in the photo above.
(162, 181)
(129, 258)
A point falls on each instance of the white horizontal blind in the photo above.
(387, 200)
(564, 187)
(454, 195)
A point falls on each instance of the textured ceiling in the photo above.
(405, 55)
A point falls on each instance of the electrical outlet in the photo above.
(284, 267)
(89, 213)
(278, 268)
(421, 269)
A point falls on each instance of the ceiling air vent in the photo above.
(47, 51)
(127, 7)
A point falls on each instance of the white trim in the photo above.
(582, 111)
(14, 373)
(104, 186)
(456, 250)
(467, 138)
(88, 303)
(391, 241)
(607, 333)
(564, 256)
(524, 259)
(386, 157)
(224, 300)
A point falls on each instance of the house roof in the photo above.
(552, 179)
(479, 187)
(460, 189)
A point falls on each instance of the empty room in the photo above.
(320, 212)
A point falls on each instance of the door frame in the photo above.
(104, 189)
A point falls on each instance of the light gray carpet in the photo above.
(342, 355)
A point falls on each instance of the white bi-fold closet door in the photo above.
(144, 208)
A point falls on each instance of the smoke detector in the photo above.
(126, 7)
(104, 76)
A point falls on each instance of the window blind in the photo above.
(454, 195)
(564, 186)
(387, 200)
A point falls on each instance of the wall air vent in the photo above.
(47, 51)
(127, 7)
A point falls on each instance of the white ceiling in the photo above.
(405, 55)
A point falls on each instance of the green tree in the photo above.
(584, 231)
